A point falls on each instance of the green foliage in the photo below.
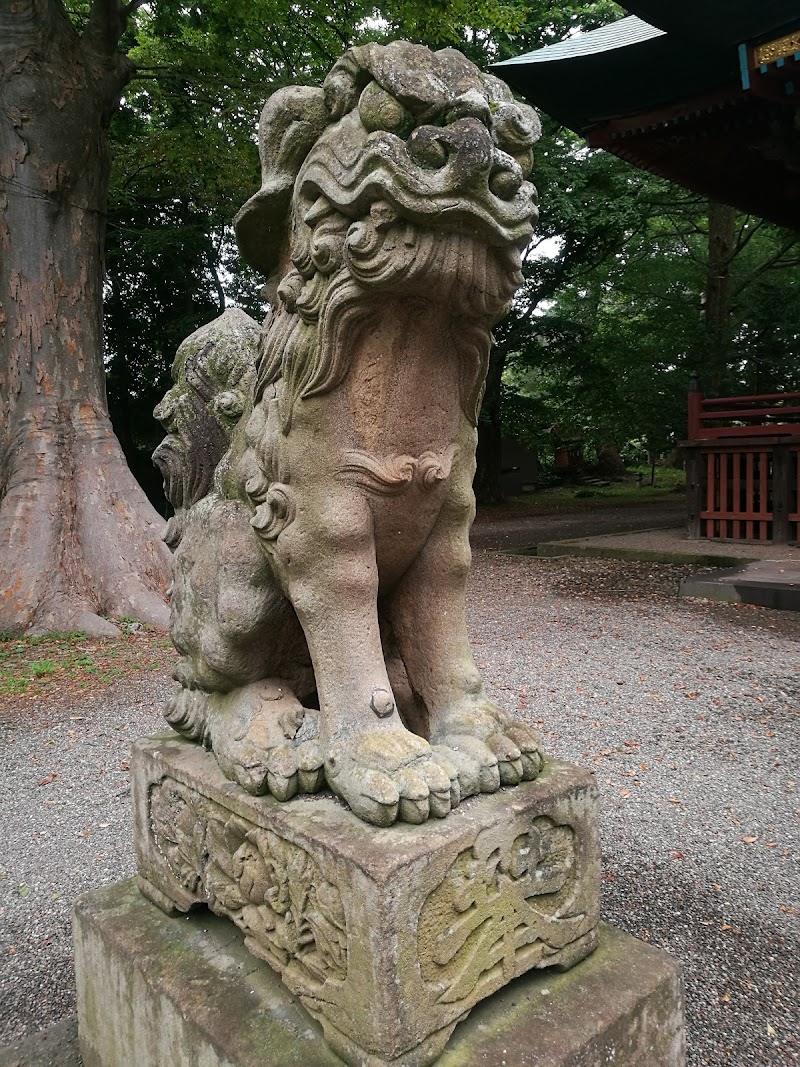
(612, 327)
(36, 664)
(40, 668)
(667, 484)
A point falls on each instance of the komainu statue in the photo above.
(319, 573)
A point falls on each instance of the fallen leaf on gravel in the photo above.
(726, 926)
(716, 885)
(725, 998)
(750, 840)
(677, 855)
(49, 779)
(673, 800)
(770, 1030)
(624, 792)
(787, 910)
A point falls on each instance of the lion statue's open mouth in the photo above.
(319, 582)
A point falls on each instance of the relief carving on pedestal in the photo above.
(273, 889)
(502, 908)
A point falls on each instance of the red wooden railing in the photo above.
(743, 471)
(745, 416)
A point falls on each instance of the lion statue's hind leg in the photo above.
(244, 657)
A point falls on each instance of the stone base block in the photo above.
(388, 937)
(162, 991)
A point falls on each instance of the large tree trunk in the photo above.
(79, 542)
(487, 483)
(721, 252)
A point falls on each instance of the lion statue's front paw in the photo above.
(489, 749)
(265, 740)
(390, 775)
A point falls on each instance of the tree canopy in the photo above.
(612, 321)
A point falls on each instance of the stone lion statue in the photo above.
(319, 574)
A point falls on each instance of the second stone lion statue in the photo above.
(319, 576)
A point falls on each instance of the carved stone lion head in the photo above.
(214, 375)
(360, 180)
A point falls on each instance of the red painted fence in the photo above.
(743, 416)
(743, 473)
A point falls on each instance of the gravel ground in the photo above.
(686, 711)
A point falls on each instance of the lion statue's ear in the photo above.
(291, 121)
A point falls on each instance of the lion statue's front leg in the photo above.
(427, 610)
(372, 761)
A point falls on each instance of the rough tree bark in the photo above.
(719, 288)
(487, 483)
(79, 542)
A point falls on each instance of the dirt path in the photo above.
(511, 529)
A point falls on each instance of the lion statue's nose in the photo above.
(466, 146)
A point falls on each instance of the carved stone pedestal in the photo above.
(388, 937)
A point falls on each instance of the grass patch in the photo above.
(40, 668)
(72, 662)
(668, 484)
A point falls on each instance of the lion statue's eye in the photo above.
(515, 129)
(379, 110)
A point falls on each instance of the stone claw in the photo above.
(529, 742)
(387, 776)
(509, 758)
(478, 767)
(489, 749)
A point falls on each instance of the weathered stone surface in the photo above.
(326, 560)
(389, 937)
(156, 990)
(214, 374)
